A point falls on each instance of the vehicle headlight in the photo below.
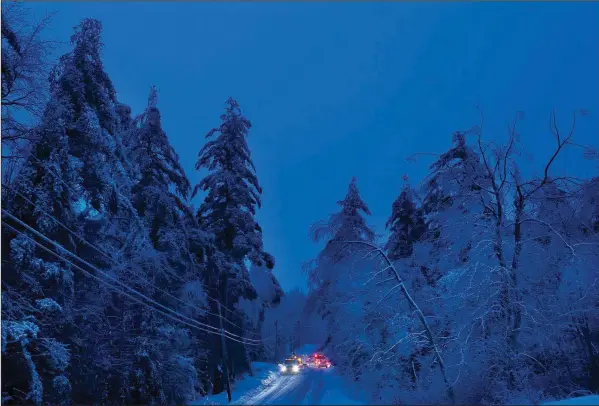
(283, 368)
(296, 368)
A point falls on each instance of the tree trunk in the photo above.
(224, 359)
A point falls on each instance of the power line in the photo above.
(60, 247)
(222, 333)
(118, 290)
(111, 258)
(132, 211)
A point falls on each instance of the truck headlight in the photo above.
(295, 368)
(283, 368)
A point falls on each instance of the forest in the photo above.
(116, 289)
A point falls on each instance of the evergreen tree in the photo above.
(455, 187)
(346, 225)
(159, 196)
(228, 210)
(338, 276)
(327, 275)
(349, 224)
(67, 176)
(233, 191)
(160, 192)
(406, 224)
(457, 170)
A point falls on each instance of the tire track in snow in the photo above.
(304, 388)
(273, 388)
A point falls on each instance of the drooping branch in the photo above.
(429, 335)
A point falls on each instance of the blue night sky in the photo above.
(335, 90)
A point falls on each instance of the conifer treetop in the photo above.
(233, 191)
(348, 224)
(158, 162)
(406, 224)
(82, 70)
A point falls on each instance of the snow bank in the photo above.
(264, 373)
(583, 400)
(334, 391)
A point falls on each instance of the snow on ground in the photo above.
(310, 387)
(583, 400)
(268, 386)
(334, 392)
(264, 375)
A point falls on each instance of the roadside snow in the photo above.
(268, 386)
(583, 400)
(334, 391)
(264, 374)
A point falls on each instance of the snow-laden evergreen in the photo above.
(232, 191)
(67, 178)
(406, 225)
(89, 186)
(342, 227)
(232, 196)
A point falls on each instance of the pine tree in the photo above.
(233, 195)
(67, 176)
(233, 191)
(455, 187)
(348, 224)
(159, 196)
(338, 275)
(227, 212)
(327, 274)
(406, 224)
(160, 193)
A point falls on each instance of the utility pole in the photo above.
(299, 332)
(225, 370)
(277, 344)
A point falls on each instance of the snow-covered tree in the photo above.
(507, 248)
(227, 211)
(233, 192)
(346, 225)
(66, 178)
(406, 225)
(162, 188)
(25, 66)
(336, 276)
(161, 264)
(270, 295)
(81, 340)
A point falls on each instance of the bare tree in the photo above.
(505, 224)
(25, 67)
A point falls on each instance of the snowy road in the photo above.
(308, 387)
(269, 387)
(311, 386)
